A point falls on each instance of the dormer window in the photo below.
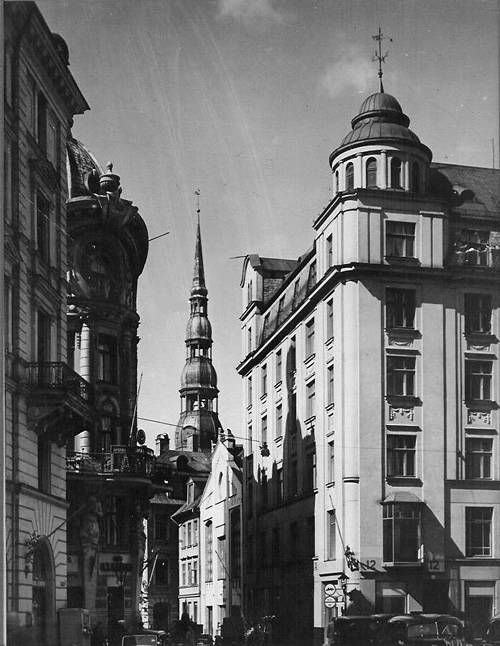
(349, 176)
(371, 173)
(396, 173)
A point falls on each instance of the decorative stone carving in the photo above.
(408, 414)
(400, 342)
(478, 417)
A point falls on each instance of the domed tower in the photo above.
(199, 421)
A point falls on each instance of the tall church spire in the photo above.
(199, 422)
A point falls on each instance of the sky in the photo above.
(244, 100)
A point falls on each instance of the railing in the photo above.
(477, 255)
(138, 461)
(57, 375)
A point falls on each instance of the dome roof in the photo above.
(198, 372)
(380, 118)
(198, 327)
(81, 164)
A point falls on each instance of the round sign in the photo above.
(330, 589)
(330, 602)
(141, 436)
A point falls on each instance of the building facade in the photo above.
(46, 401)
(371, 387)
(110, 472)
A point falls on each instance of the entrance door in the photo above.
(115, 614)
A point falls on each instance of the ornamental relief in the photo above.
(479, 347)
(401, 414)
(401, 343)
(478, 417)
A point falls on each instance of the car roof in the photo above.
(424, 618)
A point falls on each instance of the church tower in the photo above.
(199, 421)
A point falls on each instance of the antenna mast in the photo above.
(378, 54)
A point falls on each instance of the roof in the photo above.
(81, 163)
(197, 461)
(187, 507)
(401, 496)
(451, 180)
(162, 498)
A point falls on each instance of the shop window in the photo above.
(478, 531)
(477, 313)
(400, 239)
(478, 453)
(478, 380)
(401, 456)
(401, 376)
(400, 307)
(371, 173)
(401, 532)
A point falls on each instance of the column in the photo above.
(82, 440)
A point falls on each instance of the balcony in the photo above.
(121, 461)
(475, 255)
(59, 401)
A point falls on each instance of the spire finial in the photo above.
(197, 193)
(378, 54)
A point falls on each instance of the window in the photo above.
(396, 172)
(249, 292)
(292, 355)
(330, 386)
(279, 421)
(279, 366)
(264, 490)
(52, 140)
(331, 462)
(311, 281)
(43, 337)
(400, 307)
(9, 315)
(311, 399)
(116, 522)
(329, 320)
(183, 574)
(7, 172)
(221, 557)
(249, 339)
(309, 338)
(280, 486)
(281, 310)
(401, 455)
(478, 379)
(310, 477)
(43, 226)
(189, 535)
(349, 176)
(329, 251)
(249, 391)
(478, 531)
(107, 359)
(235, 543)
(161, 572)
(330, 535)
(337, 181)
(264, 429)
(415, 177)
(400, 239)
(41, 121)
(478, 452)
(161, 526)
(401, 375)
(183, 536)
(44, 465)
(477, 313)
(371, 173)
(263, 380)
(195, 532)
(194, 572)
(401, 532)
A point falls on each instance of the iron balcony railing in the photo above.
(58, 376)
(139, 461)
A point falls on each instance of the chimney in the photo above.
(162, 444)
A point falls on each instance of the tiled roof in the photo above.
(447, 179)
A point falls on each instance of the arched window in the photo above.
(349, 176)
(415, 177)
(395, 172)
(371, 173)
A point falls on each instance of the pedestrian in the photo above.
(190, 636)
(98, 637)
(330, 633)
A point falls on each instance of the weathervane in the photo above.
(378, 55)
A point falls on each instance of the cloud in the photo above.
(352, 71)
(252, 11)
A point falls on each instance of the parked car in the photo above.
(426, 629)
(204, 640)
(142, 639)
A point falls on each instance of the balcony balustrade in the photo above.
(57, 376)
(475, 255)
(137, 461)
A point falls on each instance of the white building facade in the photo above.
(371, 386)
